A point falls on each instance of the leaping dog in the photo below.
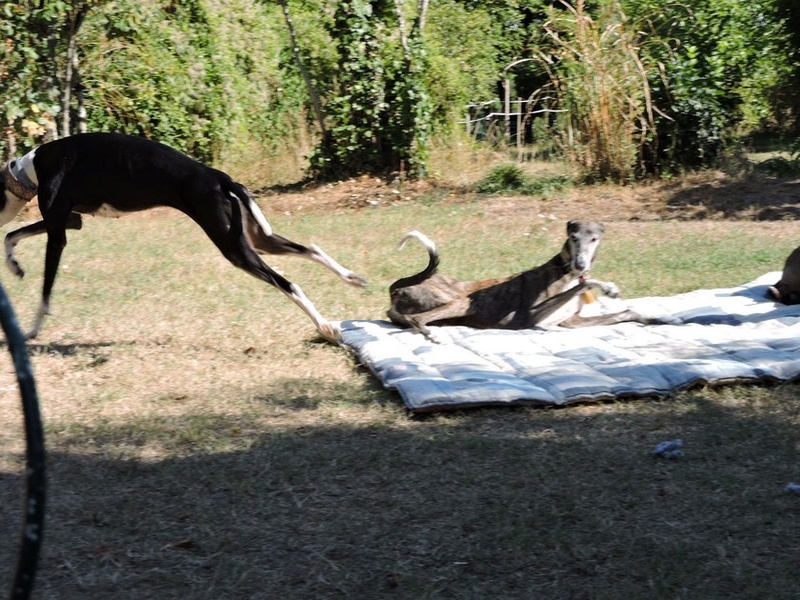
(550, 294)
(113, 174)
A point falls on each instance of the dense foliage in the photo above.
(728, 66)
(633, 87)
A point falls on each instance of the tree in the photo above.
(726, 66)
(379, 114)
(409, 109)
(40, 69)
(312, 91)
(30, 96)
(155, 73)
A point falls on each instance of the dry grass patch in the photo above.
(204, 443)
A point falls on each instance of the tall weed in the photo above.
(596, 69)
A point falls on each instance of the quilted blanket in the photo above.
(719, 336)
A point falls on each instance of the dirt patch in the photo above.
(707, 195)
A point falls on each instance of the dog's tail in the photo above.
(433, 260)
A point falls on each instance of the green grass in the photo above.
(204, 443)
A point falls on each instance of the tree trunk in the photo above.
(422, 15)
(66, 95)
(71, 71)
(312, 92)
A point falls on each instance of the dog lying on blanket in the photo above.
(550, 294)
(787, 290)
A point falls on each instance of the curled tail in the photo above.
(428, 271)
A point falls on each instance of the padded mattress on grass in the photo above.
(720, 336)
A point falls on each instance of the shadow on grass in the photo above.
(752, 196)
(66, 349)
(523, 503)
(69, 349)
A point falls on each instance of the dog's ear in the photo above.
(572, 225)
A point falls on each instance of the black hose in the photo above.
(31, 539)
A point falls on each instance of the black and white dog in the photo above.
(112, 174)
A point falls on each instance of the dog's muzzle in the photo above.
(20, 186)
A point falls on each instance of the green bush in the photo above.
(726, 70)
(190, 75)
(511, 179)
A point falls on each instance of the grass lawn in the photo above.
(204, 443)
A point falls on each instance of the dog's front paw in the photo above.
(14, 267)
(609, 288)
(355, 280)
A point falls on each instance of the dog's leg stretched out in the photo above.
(100, 173)
(550, 294)
(564, 308)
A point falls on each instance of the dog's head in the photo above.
(787, 290)
(784, 294)
(583, 240)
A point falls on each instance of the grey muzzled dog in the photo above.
(549, 294)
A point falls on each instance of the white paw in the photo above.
(610, 289)
(14, 267)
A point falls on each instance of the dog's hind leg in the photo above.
(277, 244)
(409, 321)
(224, 228)
(267, 242)
(247, 259)
(419, 321)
